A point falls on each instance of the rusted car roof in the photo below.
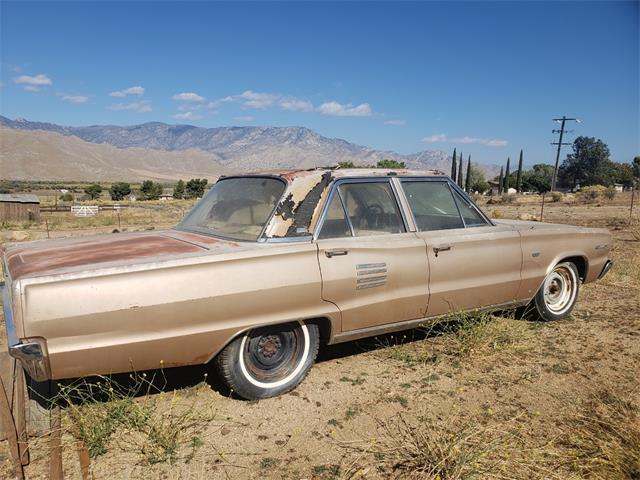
(299, 210)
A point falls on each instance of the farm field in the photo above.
(491, 396)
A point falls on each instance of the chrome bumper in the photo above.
(605, 269)
(32, 352)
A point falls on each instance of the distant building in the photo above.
(619, 187)
(19, 207)
(167, 194)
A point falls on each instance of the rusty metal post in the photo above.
(542, 208)
(9, 427)
(20, 411)
(85, 461)
(55, 445)
(633, 192)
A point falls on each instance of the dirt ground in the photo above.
(498, 399)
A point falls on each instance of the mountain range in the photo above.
(46, 151)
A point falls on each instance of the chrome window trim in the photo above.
(452, 187)
(261, 237)
(341, 181)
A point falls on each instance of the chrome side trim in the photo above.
(605, 269)
(12, 337)
(409, 324)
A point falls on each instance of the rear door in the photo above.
(472, 262)
(373, 269)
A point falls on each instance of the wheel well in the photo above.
(580, 263)
(324, 326)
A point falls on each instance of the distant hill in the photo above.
(158, 150)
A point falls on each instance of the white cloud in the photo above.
(442, 138)
(73, 98)
(258, 100)
(137, 90)
(220, 101)
(436, 138)
(33, 83)
(291, 104)
(138, 107)
(395, 122)
(341, 110)
(244, 118)
(187, 116)
(188, 97)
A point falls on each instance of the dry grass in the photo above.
(603, 438)
(137, 418)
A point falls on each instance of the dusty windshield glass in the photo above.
(236, 208)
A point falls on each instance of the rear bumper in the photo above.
(32, 352)
(607, 266)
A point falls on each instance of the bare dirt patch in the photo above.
(497, 397)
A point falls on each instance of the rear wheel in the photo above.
(269, 361)
(558, 294)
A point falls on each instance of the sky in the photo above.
(484, 77)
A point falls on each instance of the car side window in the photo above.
(372, 208)
(335, 223)
(471, 216)
(432, 205)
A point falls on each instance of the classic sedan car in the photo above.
(268, 267)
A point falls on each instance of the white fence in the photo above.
(85, 210)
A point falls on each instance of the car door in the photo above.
(472, 263)
(372, 269)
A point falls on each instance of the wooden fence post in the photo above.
(55, 444)
(9, 426)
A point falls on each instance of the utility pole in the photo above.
(559, 143)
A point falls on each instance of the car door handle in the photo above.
(335, 252)
(441, 248)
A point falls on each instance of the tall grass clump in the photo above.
(603, 439)
(137, 417)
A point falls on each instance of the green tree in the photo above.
(150, 190)
(467, 180)
(94, 191)
(623, 174)
(589, 164)
(538, 179)
(519, 177)
(178, 191)
(348, 164)
(460, 176)
(506, 176)
(388, 163)
(478, 181)
(636, 168)
(453, 166)
(501, 181)
(195, 188)
(119, 190)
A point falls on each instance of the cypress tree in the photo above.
(519, 178)
(467, 183)
(506, 176)
(501, 181)
(454, 163)
(460, 176)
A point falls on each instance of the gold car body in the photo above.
(135, 301)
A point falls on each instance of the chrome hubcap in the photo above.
(559, 289)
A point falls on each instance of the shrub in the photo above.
(610, 193)
(556, 196)
(508, 197)
(591, 193)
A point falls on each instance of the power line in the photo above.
(559, 143)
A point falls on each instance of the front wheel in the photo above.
(269, 361)
(558, 294)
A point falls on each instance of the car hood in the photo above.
(47, 257)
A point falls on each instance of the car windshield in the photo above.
(236, 208)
